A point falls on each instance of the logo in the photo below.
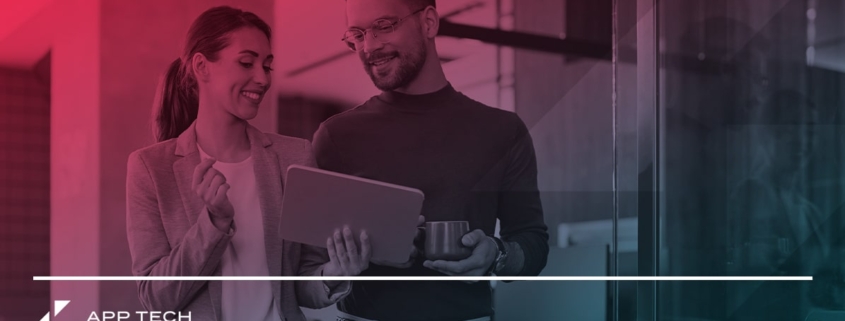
(59, 305)
(142, 316)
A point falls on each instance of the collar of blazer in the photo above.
(270, 191)
(186, 143)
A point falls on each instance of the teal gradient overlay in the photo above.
(751, 161)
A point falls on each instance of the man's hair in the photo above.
(419, 4)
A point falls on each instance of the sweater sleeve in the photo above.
(520, 209)
(325, 152)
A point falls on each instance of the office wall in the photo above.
(24, 192)
(566, 103)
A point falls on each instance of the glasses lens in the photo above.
(382, 28)
(352, 38)
(351, 45)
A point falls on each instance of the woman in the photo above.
(205, 200)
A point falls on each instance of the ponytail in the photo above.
(177, 102)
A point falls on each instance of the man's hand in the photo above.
(415, 252)
(344, 257)
(484, 251)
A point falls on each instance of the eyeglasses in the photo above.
(380, 30)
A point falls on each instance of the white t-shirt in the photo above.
(245, 256)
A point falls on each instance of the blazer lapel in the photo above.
(269, 184)
(268, 181)
(183, 168)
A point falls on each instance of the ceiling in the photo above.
(306, 36)
(25, 26)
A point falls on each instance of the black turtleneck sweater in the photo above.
(473, 162)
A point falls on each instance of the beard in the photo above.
(409, 66)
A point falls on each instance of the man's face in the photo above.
(392, 59)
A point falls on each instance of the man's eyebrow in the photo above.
(384, 17)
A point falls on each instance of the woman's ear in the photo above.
(430, 21)
(199, 64)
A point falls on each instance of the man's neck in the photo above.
(430, 79)
(424, 87)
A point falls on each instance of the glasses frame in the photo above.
(353, 45)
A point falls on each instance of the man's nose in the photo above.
(370, 43)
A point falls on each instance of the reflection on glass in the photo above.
(776, 229)
(752, 161)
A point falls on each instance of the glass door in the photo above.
(748, 155)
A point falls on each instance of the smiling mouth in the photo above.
(381, 61)
(254, 96)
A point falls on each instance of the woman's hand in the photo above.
(344, 257)
(210, 185)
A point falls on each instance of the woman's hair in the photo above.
(177, 100)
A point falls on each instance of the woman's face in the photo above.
(240, 77)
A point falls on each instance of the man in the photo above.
(473, 162)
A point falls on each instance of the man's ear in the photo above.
(199, 64)
(430, 21)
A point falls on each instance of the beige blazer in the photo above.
(170, 232)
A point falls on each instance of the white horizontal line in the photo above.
(422, 278)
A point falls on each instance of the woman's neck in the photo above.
(221, 135)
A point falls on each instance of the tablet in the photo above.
(316, 202)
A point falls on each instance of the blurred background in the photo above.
(673, 138)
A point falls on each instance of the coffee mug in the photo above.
(443, 240)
